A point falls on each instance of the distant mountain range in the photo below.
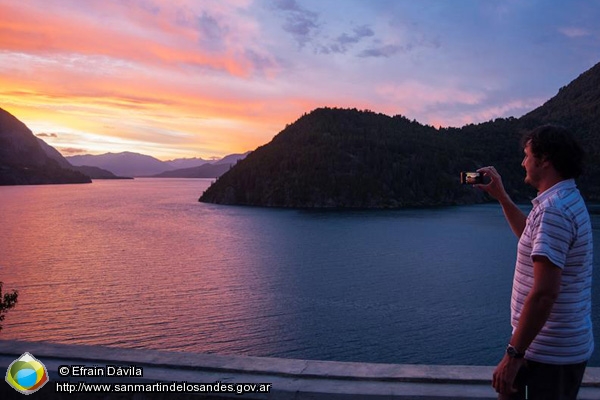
(139, 165)
(92, 172)
(122, 164)
(27, 160)
(346, 158)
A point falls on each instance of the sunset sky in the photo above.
(207, 78)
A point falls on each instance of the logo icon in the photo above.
(27, 374)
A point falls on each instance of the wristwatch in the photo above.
(513, 352)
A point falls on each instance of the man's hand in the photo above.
(495, 187)
(506, 372)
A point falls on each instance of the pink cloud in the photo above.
(483, 112)
(415, 97)
(158, 34)
(511, 108)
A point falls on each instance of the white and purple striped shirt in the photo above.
(559, 228)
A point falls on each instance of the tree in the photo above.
(8, 301)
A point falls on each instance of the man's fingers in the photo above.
(502, 384)
(488, 171)
(497, 383)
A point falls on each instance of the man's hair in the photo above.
(557, 145)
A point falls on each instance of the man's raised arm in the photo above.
(515, 217)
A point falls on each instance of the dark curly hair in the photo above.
(557, 145)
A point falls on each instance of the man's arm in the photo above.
(513, 214)
(537, 308)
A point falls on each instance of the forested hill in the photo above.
(356, 159)
(343, 158)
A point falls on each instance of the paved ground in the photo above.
(288, 379)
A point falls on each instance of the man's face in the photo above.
(533, 167)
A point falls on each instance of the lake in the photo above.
(141, 264)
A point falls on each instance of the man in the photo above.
(552, 336)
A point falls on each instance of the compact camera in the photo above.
(471, 178)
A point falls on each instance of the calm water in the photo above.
(142, 264)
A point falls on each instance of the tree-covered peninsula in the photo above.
(346, 158)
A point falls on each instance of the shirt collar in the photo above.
(562, 185)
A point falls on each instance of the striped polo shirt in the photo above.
(559, 228)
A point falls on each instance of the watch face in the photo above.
(512, 352)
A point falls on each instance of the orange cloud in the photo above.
(137, 72)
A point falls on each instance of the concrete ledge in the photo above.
(289, 379)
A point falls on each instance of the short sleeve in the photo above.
(552, 235)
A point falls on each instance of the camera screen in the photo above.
(471, 178)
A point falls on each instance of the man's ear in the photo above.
(545, 162)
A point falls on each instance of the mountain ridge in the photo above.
(136, 164)
(23, 161)
(346, 158)
(92, 172)
(125, 163)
